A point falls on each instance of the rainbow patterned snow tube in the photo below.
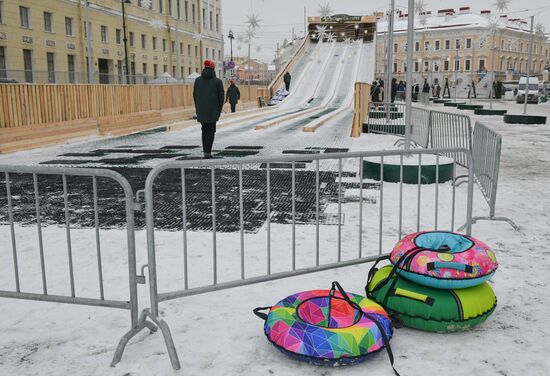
(320, 327)
(444, 260)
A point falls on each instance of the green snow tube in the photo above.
(429, 309)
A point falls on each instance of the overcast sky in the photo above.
(278, 17)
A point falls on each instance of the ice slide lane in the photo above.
(342, 92)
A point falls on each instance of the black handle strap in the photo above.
(257, 312)
(385, 339)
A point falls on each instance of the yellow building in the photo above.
(45, 40)
(463, 46)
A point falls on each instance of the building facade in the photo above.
(463, 47)
(45, 41)
(251, 70)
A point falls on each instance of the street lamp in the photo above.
(125, 39)
(231, 36)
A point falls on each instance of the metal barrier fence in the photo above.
(453, 131)
(486, 150)
(179, 266)
(45, 191)
(386, 119)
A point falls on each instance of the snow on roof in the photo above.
(445, 21)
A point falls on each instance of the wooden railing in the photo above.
(29, 104)
(362, 100)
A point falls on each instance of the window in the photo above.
(48, 22)
(24, 16)
(104, 34)
(143, 41)
(426, 65)
(189, 70)
(395, 47)
(457, 65)
(182, 72)
(51, 67)
(27, 64)
(170, 7)
(144, 68)
(416, 66)
(119, 70)
(467, 64)
(204, 18)
(417, 46)
(427, 45)
(482, 67)
(437, 45)
(468, 43)
(69, 26)
(161, 6)
(173, 71)
(131, 38)
(196, 51)
(3, 61)
(181, 48)
(1, 11)
(446, 65)
(218, 23)
(70, 65)
(447, 44)
(187, 11)
(155, 70)
(164, 68)
(193, 13)
(207, 53)
(189, 50)
(394, 67)
(178, 8)
(502, 44)
(118, 36)
(173, 49)
(219, 55)
(457, 44)
(164, 45)
(211, 22)
(155, 43)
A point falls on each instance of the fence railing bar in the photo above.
(65, 299)
(317, 209)
(68, 233)
(39, 234)
(214, 245)
(400, 231)
(419, 195)
(268, 193)
(339, 209)
(436, 191)
(241, 219)
(12, 233)
(184, 229)
(293, 215)
(453, 210)
(360, 252)
(98, 240)
(381, 224)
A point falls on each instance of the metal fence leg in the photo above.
(157, 323)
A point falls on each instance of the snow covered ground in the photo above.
(217, 334)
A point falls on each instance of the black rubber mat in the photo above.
(244, 147)
(90, 154)
(284, 165)
(301, 152)
(179, 147)
(336, 150)
(237, 153)
(145, 157)
(67, 162)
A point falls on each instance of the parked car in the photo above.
(532, 92)
(510, 85)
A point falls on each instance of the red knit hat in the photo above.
(209, 64)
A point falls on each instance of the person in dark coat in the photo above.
(375, 92)
(393, 89)
(208, 94)
(287, 78)
(426, 87)
(233, 95)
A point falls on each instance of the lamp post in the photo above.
(529, 68)
(124, 2)
(89, 42)
(231, 36)
(410, 43)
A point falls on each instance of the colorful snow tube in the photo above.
(429, 309)
(320, 327)
(444, 260)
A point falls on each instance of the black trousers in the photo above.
(208, 134)
(287, 86)
(233, 107)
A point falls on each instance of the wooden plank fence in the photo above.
(30, 104)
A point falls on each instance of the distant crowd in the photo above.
(398, 90)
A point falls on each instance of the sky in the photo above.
(278, 17)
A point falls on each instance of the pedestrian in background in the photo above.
(233, 95)
(287, 78)
(208, 94)
(426, 92)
